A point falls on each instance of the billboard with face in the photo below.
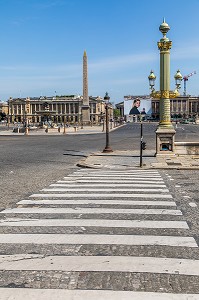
(136, 105)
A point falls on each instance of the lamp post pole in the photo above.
(82, 124)
(26, 122)
(107, 147)
(165, 132)
(64, 125)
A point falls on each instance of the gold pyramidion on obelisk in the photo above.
(85, 106)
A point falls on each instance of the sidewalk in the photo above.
(131, 159)
(54, 131)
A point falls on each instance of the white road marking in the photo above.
(118, 181)
(116, 185)
(77, 210)
(126, 172)
(60, 294)
(72, 189)
(131, 264)
(97, 201)
(111, 179)
(114, 176)
(97, 239)
(94, 223)
(192, 204)
(67, 195)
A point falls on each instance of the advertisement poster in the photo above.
(135, 105)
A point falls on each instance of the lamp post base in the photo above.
(107, 150)
(165, 141)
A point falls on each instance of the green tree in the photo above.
(116, 113)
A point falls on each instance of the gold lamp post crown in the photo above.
(164, 28)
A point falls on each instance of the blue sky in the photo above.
(43, 41)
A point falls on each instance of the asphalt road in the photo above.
(29, 163)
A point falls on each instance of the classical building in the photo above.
(120, 107)
(181, 107)
(58, 109)
(4, 107)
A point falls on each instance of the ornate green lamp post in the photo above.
(165, 132)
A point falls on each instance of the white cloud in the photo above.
(188, 52)
(123, 61)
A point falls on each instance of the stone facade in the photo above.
(4, 107)
(182, 106)
(59, 109)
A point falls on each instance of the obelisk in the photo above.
(85, 106)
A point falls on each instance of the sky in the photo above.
(42, 44)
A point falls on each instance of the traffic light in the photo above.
(143, 145)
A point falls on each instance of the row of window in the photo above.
(68, 108)
(178, 106)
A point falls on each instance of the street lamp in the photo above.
(173, 94)
(165, 132)
(178, 78)
(152, 79)
(107, 147)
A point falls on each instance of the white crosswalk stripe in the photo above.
(103, 195)
(51, 294)
(98, 239)
(109, 185)
(104, 190)
(100, 263)
(94, 223)
(113, 181)
(79, 210)
(104, 226)
(98, 201)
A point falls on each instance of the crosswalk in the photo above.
(97, 234)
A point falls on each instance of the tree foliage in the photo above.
(116, 113)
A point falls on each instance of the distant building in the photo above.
(120, 107)
(59, 109)
(4, 107)
(181, 107)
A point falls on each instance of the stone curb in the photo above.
(91, 166)
(84, 164)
